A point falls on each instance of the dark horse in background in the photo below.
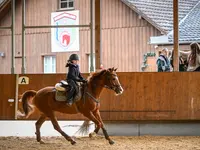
(182, 62)
(88, 105)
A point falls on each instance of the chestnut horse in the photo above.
(88, 105)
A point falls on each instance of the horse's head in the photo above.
(111, 81)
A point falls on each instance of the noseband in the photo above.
(113, 87)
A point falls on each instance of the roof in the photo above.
(189, 27)
(160, 12)
(4, 7)
(1, 2)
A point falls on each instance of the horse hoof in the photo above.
(73, 142)
(111, 142)
(93, 134)
(42, 142)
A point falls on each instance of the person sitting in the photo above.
(73, 76)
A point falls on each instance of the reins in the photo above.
(90, 95)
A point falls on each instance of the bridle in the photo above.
(113, 87)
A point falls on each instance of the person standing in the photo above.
(163, 62)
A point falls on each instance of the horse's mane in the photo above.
(95, 75)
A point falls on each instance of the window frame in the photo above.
(53, 63)
(67, 8)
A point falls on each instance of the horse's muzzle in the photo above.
(119, 90)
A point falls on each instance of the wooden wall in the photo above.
(7, 91)
(147, 96)
(124, 37)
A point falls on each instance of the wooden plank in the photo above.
(7, 91)
(97, 34)
(147, 96)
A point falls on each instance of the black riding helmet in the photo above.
(73, 57)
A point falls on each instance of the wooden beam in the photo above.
(91, 35)
(176, 35)
(97, 35)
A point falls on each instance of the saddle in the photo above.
(61, 90)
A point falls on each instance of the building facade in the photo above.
(125, 37)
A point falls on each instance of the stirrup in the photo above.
(69, 104)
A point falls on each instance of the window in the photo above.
(49, 64)
(66, 4)
(89, 59)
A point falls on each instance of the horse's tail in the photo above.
(84, 129)
(27, 103)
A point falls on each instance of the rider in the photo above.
(73, 77)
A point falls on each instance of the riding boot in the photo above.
(70, 97)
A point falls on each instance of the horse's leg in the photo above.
(99, 124)
(38, 125)
(57, 128)
(96, 130)
(98, 116)
(91, 116)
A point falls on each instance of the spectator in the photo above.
(193, 57)
(163, 62)
(182, 61)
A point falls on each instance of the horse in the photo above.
(182, 62)
(88, 105)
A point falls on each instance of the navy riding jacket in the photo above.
(74, 73)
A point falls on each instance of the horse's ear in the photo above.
(115, 69)
(110, 69)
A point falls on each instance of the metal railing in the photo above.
(24, 27)
(12, 28)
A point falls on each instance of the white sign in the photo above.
(65, 39)
(23, 80)
(11, 100)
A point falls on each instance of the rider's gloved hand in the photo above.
(84, 81)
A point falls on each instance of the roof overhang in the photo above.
(164, 40)
(154, 24)
(159, 39)
(4, 7)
